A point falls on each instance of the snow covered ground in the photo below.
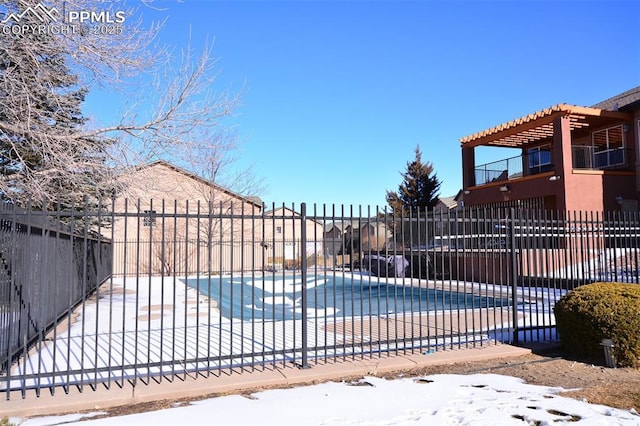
(482, 399)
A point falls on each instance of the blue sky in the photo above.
(338, 94)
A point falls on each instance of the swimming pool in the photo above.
(280, 297)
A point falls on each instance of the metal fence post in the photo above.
(514, 275)
(303, 267)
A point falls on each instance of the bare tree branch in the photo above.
(47, 146)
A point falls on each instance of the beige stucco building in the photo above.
(168, 220)
(283, 238)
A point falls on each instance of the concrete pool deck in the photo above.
(238, 381)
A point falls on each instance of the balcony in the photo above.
(511, 168)
(588, 157)
(583, 157)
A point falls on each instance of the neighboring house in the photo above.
(336, 230)
(282, 237)
(566, 158)
(169, 220)
(374, 235)
(365, 234)
(448, 204)
(334, 238)
(445, 205)
(443, 220)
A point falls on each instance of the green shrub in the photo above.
(597, 311)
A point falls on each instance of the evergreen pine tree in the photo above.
(418, 190)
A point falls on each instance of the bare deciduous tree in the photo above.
(215, 162)
(48, 148)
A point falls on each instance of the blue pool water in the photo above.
(280, 298)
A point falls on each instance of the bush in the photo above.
(597, 311)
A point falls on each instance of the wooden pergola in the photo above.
(538, 126)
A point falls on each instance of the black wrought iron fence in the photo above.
(200, 290)
(46, 270)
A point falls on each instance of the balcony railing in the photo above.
(500, 170)
(583, 157)
(586, 157)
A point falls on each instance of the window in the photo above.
(608, 147)
(149, 218)
(539, 159)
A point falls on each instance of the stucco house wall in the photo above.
(282, 234)
(168, 221)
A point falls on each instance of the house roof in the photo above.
(281, 211)
(620, 101)
(287, 213)
(353, 224)
(449, 202)
(539, 126)
(252, 200)
(341, 226)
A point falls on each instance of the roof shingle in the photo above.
(621, 100)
